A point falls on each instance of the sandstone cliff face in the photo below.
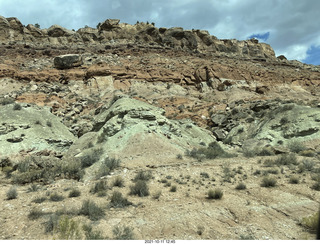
(109, 32)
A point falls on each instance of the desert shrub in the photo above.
(112, 163)
(204, 175)
(308, 165)
(49, 123)
(100, 186)
(143, 175)
(311, 222)
(17, 106)
(51, 223)
(296, 146)
(294, 179)
(140, 188)
(35, 214)
(55, 197)
(268, 163)
(307, 153)
(5, 101)
(249, 153)
(91, 210)
(33, 188)
(179, 156)
(123, 233)
(74, 193)
(118, 201)
(27, 177)
(241, 186)
(103, 171)
(12, 193)
(227, 173)
(273, 171)
(215, 194)
(214, 150)
(68, 229)
(266, 151)
(286, 159)
(70, 168)
(39, 199)
(157, 195)
(91, 158)
(118, 181)
(173, 188)
(91, 234)
(268, 182)
(316, 186)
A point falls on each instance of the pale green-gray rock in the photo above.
(28, 128)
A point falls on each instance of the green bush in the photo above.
(123, 233)
(268, 182)
(112, 163)
(33, 188)
(74, 193)
(287, 159)
(296, 146)
(214, 150)
(35, 214)
(91, 158)
(17, 106)
(55, 197)
(118, 201)
(68, 229)
(5, 101)
(241, 186)
(91, 234)
(143, 175)
(51, 223)
(294, 179)
(91, 210)
(316, 186)
(140, 188)
(39, 199)
(173, 188)
(118, 181)
(100, 186)
(12, 193)
(215, 194)
(157, 195)
(311, 222)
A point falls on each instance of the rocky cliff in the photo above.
(111, 32)
(185, 113)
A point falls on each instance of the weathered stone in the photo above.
(68, 61)
(32, 129)
(58, 31)
(109, 24)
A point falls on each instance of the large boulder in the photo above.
(67, 61)
(58, 31)
(109, 24)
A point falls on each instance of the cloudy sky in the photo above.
(291, 27)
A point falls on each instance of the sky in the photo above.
(291, 27)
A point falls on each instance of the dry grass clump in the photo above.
(215, 194)
(268, 182)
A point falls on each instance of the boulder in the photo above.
(67, 61)
(58, 31)
(109, 24)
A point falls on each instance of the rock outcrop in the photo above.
(112, 33)
(31, 129)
